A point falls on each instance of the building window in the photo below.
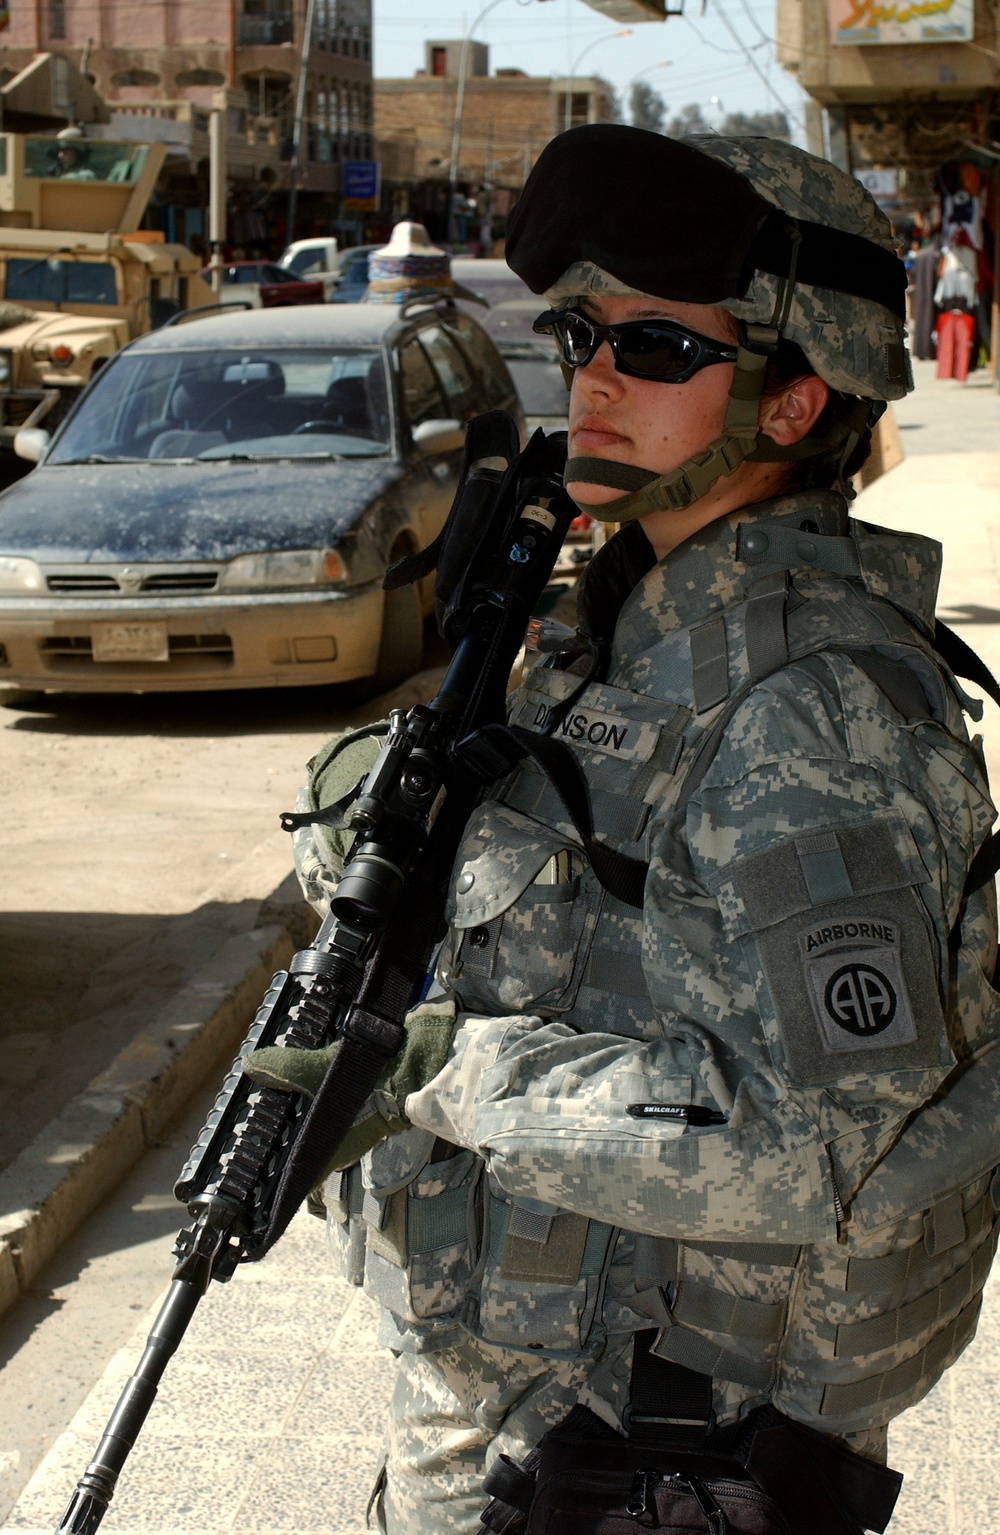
(57, 18)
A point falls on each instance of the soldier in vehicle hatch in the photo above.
(743, 1117)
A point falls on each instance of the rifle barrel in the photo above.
(96, 1487)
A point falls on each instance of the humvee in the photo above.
(78, 278)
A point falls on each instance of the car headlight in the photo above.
(6, 368)
(289, 568)
(17, 575)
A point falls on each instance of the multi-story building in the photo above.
(497, 125)
(176, 59)
(907, 96)
(903, 85)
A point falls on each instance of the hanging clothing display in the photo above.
(957, 280)
(925, 265)
(963, 211)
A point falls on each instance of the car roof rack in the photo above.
(427, 300)
(190, 314)
(448, 296)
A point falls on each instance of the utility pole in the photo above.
(456, 132)
(217, 192)
(300, 112)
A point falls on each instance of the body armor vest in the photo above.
(840, 1332)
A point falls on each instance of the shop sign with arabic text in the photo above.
(866, 22)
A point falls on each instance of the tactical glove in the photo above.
(429, 1031)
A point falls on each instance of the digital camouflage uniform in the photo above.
(796, 966)
(774, 733)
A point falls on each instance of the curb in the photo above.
(86, 1151)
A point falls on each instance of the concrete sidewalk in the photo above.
(270, 1416)
(269, 1419)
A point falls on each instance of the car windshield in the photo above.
(83, 160)
(56, 280)
(508, 324)
(540, 386)
(279, 402)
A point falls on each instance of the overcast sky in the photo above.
(728, 52)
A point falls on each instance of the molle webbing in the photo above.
(777, 1254)
(894, 1270)
(766, 641)
(891, 1328)
(690, 1349)
(856, 1399)
(709, 664)
(621, 818)
(712, 1310)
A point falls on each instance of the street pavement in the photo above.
(270, 1415)
(140, 834)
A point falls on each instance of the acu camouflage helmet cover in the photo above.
(716, 220)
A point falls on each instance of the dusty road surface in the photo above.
(139, 832)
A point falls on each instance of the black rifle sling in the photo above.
(670, 1405)
(375, 1026)
(964, 662)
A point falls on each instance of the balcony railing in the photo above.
(252, 31)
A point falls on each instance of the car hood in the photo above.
(206, 511)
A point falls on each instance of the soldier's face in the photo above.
(639, 421)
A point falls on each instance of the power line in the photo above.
(789, 111)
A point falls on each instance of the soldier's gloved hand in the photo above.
(429, 1031)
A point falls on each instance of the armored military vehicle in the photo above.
(78, 277)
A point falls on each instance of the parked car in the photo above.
(266, 285)
(533, 360)
(220, 506)
(353, 283)
(313, 260)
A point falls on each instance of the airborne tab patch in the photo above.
(856, 985)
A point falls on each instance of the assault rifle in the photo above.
(261, 1149)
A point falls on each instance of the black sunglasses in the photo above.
(653, 349)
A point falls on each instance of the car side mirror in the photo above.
(438, 437)
(31, 442)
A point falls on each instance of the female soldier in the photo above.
(720, 1113)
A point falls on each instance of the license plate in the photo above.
(130, 642)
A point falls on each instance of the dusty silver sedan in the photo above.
(219, 508)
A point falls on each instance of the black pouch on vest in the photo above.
(677, 1474)
(589, 1480)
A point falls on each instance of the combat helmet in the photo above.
(795, 249)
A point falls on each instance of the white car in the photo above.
(316, 258)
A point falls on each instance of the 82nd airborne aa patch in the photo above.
(855, 976)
